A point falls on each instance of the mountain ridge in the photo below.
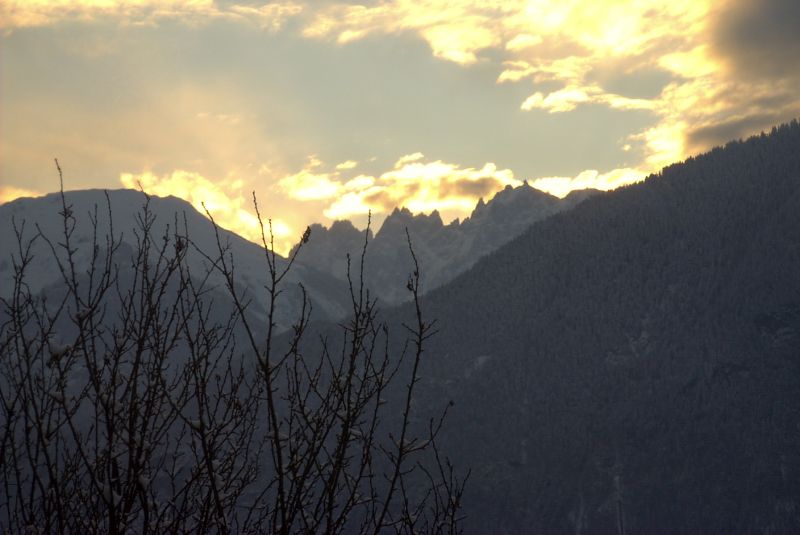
(444, 249)
(636, 357)
(172, 216)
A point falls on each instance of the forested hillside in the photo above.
(633, 365)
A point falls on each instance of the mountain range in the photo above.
(625, 362)
(321, 265)
(444, 250)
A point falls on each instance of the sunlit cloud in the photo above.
(307, 185)
(9, 193)
(407, 159)
(32, 13)
(567, 42)
(359, 183)
(569, 98)
(523, 41)
(413, 183)
(558, 42)
(423, 186)
(456, 31)
(560, 186)
(349, 164)
(670, 78)
(231, 207)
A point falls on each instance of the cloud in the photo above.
(359, 183)
(560, 186)
(736, 128)
(230, 206)
(569, 98)
(721, 69)
(413, 182)
(408, 158)
(33, 13)
(456, 31)
(760, 38)
(306, 185)
(727, 67)
(523, 41)
(9, 193)
(555, 42)
(349, 164)
(422, 185)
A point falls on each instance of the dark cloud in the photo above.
(760, 38)
(380, 198)
(759, 42)
(718, 134)
(615, 76)
(390, 197)
(470, 188)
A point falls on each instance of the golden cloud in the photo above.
(423, 186)
(306, 185)
(419, 185)
(565, 42)
(32, 13)
(560, 186)
(569, 98)
(455, 30)
(349, 164)
(230, 206)
(9, 193)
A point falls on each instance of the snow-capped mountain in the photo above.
(40, 223)
(443, 251)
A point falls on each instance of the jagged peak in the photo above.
(399, 212)
(403, 217)
(342, 225)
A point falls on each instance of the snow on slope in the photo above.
(42, 215)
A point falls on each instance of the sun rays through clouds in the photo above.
(229, 205)
(427, 104)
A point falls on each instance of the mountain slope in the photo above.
(42, 215)
(637, 359)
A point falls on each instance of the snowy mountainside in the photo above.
(37, 218)
(444, 251)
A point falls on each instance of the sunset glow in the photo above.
(329, 110)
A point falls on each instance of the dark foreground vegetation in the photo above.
(143, 395)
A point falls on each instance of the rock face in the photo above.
(443, 251)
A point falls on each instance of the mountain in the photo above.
(445, 250)
(633, 365)
(35, 216)
(321, 266)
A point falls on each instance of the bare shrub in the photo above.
(141, 397)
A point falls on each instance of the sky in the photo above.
(327, 109)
